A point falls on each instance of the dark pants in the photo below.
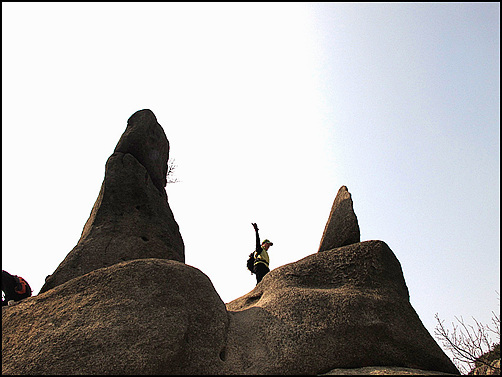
(260, 269)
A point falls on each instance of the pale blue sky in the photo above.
(269, 109)
(414, 102)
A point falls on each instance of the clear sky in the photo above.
(269, 109)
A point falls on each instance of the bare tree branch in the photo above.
(171, 166)
(468, 343)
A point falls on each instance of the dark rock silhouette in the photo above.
(131, 218)
(342, 227)
(123, 301)
(145, 139)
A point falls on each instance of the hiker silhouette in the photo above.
(14, 288)
(260, 257)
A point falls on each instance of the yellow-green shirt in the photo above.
(262, 257)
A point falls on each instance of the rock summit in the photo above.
(342, 228)
(131, 218)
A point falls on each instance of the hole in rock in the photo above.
(253, 299)
(144, 238)
(223, 355)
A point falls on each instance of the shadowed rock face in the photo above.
(341, 228)
(145, 139)
(343, 308)
(131, 218)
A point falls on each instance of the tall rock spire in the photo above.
(131, 218)
(145, 139)
(341, 228)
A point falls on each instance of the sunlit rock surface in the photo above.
(342, 227)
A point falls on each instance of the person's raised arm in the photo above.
(258, 246)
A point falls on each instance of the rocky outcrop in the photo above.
(490, 369)
(488, 363)
(147, 316)
(343, 308)
(131, 218)
(342, 227)
(123, 301)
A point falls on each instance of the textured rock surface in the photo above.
(145, 139)
(488, 363)
(487, 370)
(384, 371)
(344, 308)
(342, 227)
(148, 316)
(131, 219)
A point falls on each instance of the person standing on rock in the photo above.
(261, 258)
(15, 288)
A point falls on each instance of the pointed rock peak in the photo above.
(145, 139)
(131, 218)
(341, 228)
(142, 116)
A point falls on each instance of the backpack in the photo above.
(250, 263)
(22, 287)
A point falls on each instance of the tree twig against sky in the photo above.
(468, 343)
(171, 166)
